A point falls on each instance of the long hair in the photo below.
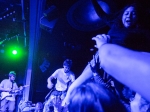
(142, 15)
(92, 97)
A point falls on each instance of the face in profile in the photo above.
(129, 17)
(66, 69)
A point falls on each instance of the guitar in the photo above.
(11, 95)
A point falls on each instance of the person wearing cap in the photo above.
(64, 77)
(7, 86)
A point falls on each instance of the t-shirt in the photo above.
(6, 83)
(63, 79)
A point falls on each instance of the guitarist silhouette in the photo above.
(9, 89)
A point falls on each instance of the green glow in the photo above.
(14, 52)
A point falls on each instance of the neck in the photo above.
(12, 81)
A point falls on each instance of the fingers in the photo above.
(101, 39)
(107, 37)
(102, 36)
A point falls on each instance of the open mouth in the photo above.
(128, 21)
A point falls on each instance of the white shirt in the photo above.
(63, 79)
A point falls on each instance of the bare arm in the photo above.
(49, 82)
(129, 67)
(86, 74)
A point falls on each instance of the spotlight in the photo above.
(14, 52)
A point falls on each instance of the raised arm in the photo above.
(131, 68)
(86, 74)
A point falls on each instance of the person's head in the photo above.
(12, 75)
(91, 97)
(39, 106)
(132, 16)
(67, 65)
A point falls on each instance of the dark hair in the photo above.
(67, 62)
(141, 14)
(91, 97)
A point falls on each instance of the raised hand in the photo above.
(95, 65)
(101, 39)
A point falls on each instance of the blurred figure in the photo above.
(9, 90)
(139, 104)
(38, 107)
(93, 97)
(64, 78)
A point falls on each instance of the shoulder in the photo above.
(59, 70)
(5, 80)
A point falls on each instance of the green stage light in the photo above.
(14, 52)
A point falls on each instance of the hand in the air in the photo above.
(101, 39)
(95, 65)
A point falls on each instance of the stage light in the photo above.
(14, 52)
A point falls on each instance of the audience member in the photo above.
(93, 97)
(127, 31)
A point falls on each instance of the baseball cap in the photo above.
(12, 73)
